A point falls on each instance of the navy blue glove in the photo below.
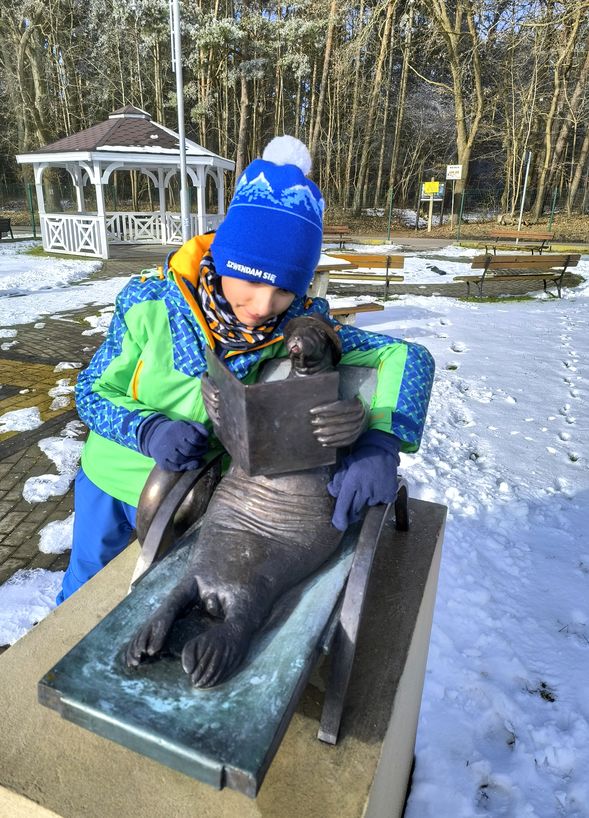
(367, 476)
(175, 445)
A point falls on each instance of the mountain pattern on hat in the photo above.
(273, 229)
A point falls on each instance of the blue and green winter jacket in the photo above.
(153, 358)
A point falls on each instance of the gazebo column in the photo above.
(38, 171)
(220, 192)
(201, 199)
(78, 176)
(101, 210)
(162, 194)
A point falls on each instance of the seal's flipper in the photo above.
(211, 657)
(151, 639)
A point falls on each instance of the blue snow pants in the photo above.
(102, 529)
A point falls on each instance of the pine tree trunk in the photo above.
(241, 159)
(323, 87)
(359, 188)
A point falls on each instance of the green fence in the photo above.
(18, 203)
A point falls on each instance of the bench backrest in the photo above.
(534, 263)
(4, 225)
(335, 228)
(378, 261)
(528, 235)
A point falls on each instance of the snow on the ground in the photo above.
(20, 420)
(99, 323)
(504, 726)
(63, 365)
(25, 599)
(56, 536)
(26, 309)
(22, 273)
(65, 452)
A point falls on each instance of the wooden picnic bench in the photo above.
(339, 232)
(5, 227)
(370, 261)
(347, 315)
(532, 240)
(549, 268)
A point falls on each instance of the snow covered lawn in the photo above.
(504, 727)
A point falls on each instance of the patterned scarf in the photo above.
(227, 330)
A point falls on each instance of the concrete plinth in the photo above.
(50, 766)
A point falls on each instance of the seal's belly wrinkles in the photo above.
(277, 519)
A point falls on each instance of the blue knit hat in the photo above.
(274, 225)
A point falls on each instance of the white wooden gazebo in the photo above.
(127, 140)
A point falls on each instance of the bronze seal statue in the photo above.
(259, 537)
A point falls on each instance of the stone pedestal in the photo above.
(50, 767)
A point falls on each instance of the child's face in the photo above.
(253, 303)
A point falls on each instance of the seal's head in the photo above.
(313, 345)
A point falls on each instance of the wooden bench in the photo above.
(532, 240)
(336, 232)
(370, 261)
(347, 315)
(5, 228)
(549, 268)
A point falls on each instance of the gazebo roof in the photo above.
(127, 130)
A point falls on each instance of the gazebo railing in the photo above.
(72, 233)
(174, 225)
(125, 226)
(135, 228)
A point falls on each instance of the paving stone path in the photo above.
(27, 374)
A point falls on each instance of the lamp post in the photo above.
(177, 68)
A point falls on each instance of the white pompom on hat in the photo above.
(288, 150)
(273, 229)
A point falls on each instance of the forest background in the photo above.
(385, 92)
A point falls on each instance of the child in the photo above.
(232, 291)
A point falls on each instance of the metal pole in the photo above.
(177, 63)
(521, 209)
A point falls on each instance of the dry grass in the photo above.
(565, 228)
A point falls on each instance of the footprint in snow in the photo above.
(564, 435)
(574, 393)
(564, 410)
(458, 346)
(570, 419)
(445, 322)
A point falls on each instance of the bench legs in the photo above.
(346, 631)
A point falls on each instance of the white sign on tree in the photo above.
(454, 172)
